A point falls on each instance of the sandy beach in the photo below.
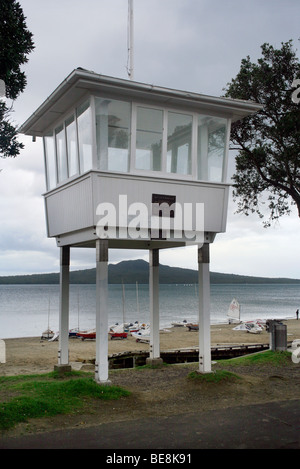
(33, 355)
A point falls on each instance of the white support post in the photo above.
(154, 306)
(63, 348)
(204, 310)
(2, 351)
(101, 365)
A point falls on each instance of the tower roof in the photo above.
(80, 82)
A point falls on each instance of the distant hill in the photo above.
(138, 271)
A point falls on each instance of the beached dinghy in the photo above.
(143, 335)
(47, 334)
(179, 323)
(55, 337)
(87, 334)
(134, 327)
(118, 332)
(253, 327)
(192, 327)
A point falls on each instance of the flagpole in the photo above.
(130, 39)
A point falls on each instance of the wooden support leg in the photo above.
(154, 306)
(101, 365)
(204, 310)
(63, 349)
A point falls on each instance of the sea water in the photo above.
(28, 310)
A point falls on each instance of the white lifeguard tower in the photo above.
(133, 166)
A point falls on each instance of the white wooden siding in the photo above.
(72, 207)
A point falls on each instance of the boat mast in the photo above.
(49, 313)
(78, 309)
(137, 297)
(123, 302)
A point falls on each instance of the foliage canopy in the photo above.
(16, 42)
(268, 161)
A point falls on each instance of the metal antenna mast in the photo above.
(130, 39)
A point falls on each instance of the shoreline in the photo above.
(31, 355)
(169, 326)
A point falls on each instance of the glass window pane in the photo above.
(179, 143)
(50, 161)
(211, 148)
(72, 146)
(84, 124)
(149, 134)
(216, 150)
(113, 134)
(61, 153)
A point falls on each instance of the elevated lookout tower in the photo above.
(134, 166)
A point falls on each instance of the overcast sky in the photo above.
(192, 45)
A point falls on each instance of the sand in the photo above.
(33, 355)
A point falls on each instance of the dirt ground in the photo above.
(158, 392)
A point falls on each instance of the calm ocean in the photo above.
(26, 309)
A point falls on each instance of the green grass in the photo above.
(269, 358)
(38, 396)
(213, 377)
(148, 366)
(263, 358)
(35, 396)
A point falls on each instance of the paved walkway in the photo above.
(274, 425)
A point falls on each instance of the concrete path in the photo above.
(275, 425)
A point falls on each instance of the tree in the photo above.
(15, 44)
(268, 161)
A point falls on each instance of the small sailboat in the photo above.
(192, 327)
(137, 298)
(179, 323)
(48, 333)
(143, 335)
(91, 334)
(73, 332)
(120, 331)
(234, 312)
(134, 327)
(254, 327)
(234, 317)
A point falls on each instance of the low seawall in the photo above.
(134, 358)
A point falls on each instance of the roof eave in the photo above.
(80, 81)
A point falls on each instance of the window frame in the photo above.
(134, 104)
(155, 108)
(50, 132)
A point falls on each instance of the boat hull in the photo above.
(86, 335)
(192, 327)
(118, 335)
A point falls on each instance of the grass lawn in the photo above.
(34, 396)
